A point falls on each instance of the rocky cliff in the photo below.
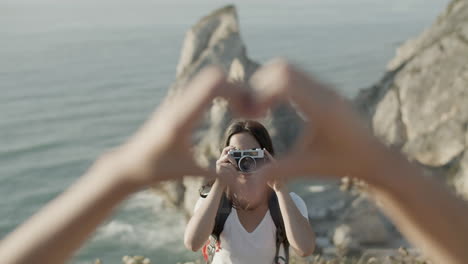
(421, 104)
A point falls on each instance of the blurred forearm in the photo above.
(202, 222)
(300, 235)
(67, 221)
(424, 210)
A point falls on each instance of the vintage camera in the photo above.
(247, 158)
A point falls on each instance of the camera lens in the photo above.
(247, 164)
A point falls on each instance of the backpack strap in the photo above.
(224, 209)
(281, 238)
(213, 244)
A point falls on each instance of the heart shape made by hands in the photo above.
(334, 140)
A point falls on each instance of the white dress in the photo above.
(241, 247)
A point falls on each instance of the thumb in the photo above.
(194, 170)
(298, 166)
(287, 168)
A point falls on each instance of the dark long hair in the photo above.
(254, 128)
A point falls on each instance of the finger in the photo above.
(284, 168)
(227, 159)
(226, 150)
(228, 166)
(229, 177)
(267, 91)
(197, 96)
(232, 160)
(179, 113)
(190, 169)
(203, 172)
(296, 165)
(239, 98)
(269, 156)
(279, 80)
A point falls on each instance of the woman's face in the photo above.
(249, 189)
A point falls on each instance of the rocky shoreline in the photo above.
(380, 256)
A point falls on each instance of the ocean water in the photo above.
(77, 78)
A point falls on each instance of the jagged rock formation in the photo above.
(216, 39)
(421, 105)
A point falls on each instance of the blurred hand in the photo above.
(226, 167)
(160, 149)
(334, 142)
(276, 182)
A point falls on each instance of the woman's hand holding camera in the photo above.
(226, 167)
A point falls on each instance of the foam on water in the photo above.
(144, 224)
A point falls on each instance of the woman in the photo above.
(251, 228)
